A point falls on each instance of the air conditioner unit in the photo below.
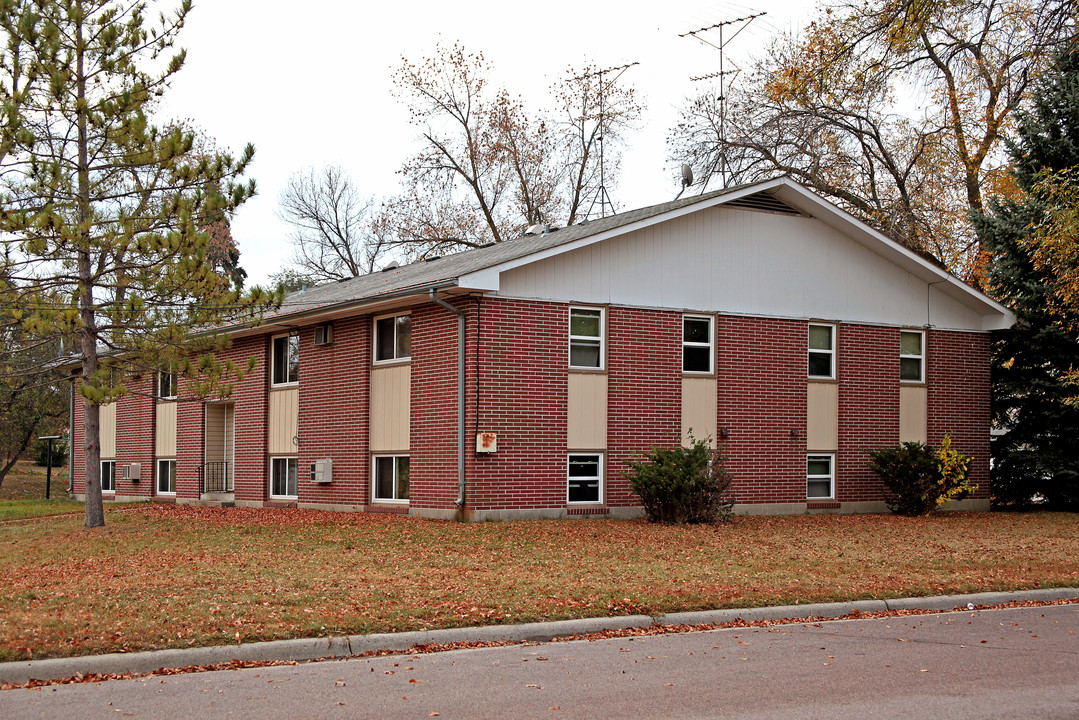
(324, 334)
(322, 471)
(132, 471)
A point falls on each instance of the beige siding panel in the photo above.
(230, 429)
(586, 412)
(391, 407)
(699, 409)
(822, 411)
(108, 431)
(215, 433)
(165, 444)
(913, 414)
(284, 421)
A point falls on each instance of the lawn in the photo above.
(175, 576)
(23, 492)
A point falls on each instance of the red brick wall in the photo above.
(78, 445)
(523, 371)
(958, 365)
(868, 374)
(135, 419)
(334, 410)
(762, 397)
(644, 390)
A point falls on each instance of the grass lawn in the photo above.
(23, 492)
(175, 576)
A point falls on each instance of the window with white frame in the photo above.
(286, 360)
(697, 344)
(167, 387)
(912, 356)
(822, 351)
(390, 482)
(108, 476)
(585, 478)
(166, 477)
(820, 476)
(393, 338)
(586, 338)
(284, 475)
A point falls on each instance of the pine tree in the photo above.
(1035, 402)
(102, 212)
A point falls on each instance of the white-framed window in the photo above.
(584, 475)
(166, 477)
(285, 360)
(393, 338)
(390, 479)
(108, 476)
(820, 476)
(912, 356)
(586, 338)
(822, 351)
(167, 386)
(697, 338)
(284, 476)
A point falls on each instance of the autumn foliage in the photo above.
(918, 479)
(683, 484)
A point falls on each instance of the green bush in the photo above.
(918, 479)
(682, 484)
(41, 452)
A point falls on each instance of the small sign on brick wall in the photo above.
(486, 442)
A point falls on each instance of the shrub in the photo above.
(917, 479)
(682, 484)
(41, 452)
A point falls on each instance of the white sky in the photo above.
(309, 83)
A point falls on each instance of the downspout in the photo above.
(460, 501)
(71, 439)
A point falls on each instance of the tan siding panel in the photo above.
(913, 414)
(165, 443)
(108, 431)
(586, 411)
(284, 421)
(822, 411)
(699, 409)
(391, 408)
(215, 433)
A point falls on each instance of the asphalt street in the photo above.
(1013, 663)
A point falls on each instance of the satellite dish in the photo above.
(687, 175)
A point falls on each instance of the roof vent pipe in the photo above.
(460, 501)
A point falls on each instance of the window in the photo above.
(286, 360)
(585, 338)
(696, 344)
(283, 477)
(822, 351)
(108, 476)
(167, 388)
(391, 478)
(912, 356)
(393, 338)
(820, 477)
(585, 482)
(166, 477)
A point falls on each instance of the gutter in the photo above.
(460, 501)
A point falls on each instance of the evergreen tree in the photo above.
(103, 213)
(1035, 400)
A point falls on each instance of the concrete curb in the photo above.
(311, 648)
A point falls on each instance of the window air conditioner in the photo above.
(132, 471)
(322, 471)
(324, 334)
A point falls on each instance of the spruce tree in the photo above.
(103, 213)
(1035, 402)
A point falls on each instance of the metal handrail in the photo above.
(214, 477)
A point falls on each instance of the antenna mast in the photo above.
(724, 83)
(601, 195)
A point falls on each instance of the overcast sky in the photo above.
(309, 83)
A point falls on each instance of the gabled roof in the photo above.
(479, 268)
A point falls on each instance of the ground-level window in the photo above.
(696, 344)
(585, 478)
(393, 338)
(108, 476)
(820, 476)
(283, 477)
(286, 360)
(912, 356)
(822, 351)
(166, 477)
(391, 478)
(586, 338)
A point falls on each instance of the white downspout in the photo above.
(460, 501)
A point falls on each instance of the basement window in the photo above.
(585, 478)
(391, 479)
(108, 476)
(284, 477)
(166, 477)
(820, 477)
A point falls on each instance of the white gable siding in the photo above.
(745, 262)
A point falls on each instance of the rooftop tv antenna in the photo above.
(724, 82)
(601, 195)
